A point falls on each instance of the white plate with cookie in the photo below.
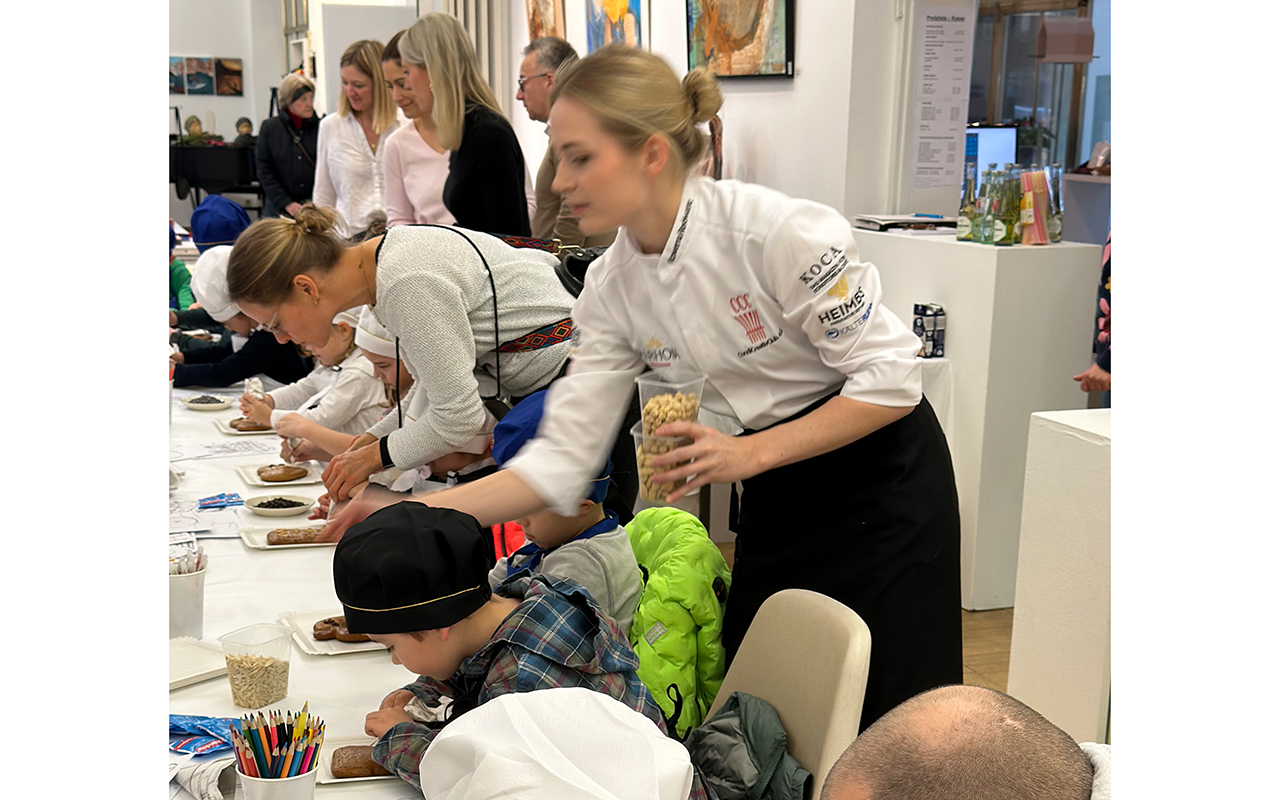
(326, 761)
(224, 425)
(291, 537)
(303, 624)
(267, 475)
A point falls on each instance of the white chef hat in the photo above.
(209, 283)
(350, 316)
(549, 743)
(371, 336)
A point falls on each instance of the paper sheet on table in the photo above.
(199, 451)
(213, 523)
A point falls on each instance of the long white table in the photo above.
(244, 586)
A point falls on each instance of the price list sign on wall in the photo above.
(944, 52)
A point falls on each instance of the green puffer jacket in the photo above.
(676, 630)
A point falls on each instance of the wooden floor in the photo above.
(987, 637)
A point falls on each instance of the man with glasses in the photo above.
(552, 219)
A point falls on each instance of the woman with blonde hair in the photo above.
(286, 148)
(488, 186)
(848, 486)
(415, 166)
(349, 161)
(455, 301)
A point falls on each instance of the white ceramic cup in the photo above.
(186, 604)
(299, 787)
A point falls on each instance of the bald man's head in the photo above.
(959, 743)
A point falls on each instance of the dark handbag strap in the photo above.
(297, 142)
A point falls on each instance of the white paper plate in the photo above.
(223, 402)
(302, 623)
(192, 661)
(250, 474)
(251, 504)
(224, 425)
(257, 539)
(326, 755)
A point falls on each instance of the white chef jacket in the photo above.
(349, 174)
(761, 293)
(347, 398)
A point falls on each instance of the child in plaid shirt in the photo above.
(415, 579)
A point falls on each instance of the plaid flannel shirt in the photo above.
(557, 636)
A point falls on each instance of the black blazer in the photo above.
(286, 175)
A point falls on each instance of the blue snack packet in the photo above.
(199, 735)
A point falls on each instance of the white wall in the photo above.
(826, 135)
(247, 29)
(343, 25)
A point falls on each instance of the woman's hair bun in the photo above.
(703, 91)
(316, 219)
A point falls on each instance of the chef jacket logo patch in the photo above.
(829, 265)
(845, 310)
(747, 317)
(841, 289)
(836, 333)
(656, 354)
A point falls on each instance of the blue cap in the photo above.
(520, 425)
(217, 221)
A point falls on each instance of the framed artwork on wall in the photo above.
(742, 38)
(613, 21)
(199, 75)
(546, 18)
(177, 75)
(229, 74)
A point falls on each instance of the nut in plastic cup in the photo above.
(669, 396)
(258, 663)
(648, 447)
(299, 787)
(186, 604)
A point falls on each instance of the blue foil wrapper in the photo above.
(199, 735)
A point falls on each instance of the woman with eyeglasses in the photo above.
(435, 289)
(488, 188)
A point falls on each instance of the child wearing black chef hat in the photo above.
(415, 579)
(589, 548)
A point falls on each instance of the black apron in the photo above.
(875, 525)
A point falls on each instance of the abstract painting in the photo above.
(229, 75)
(546, 18)
(740, 38)
(177, 75)
(199, 75)
(610, 21)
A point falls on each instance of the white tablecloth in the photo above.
(244, 586)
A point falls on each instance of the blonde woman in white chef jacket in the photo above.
(848, 486)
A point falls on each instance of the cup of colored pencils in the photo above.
(277, 754)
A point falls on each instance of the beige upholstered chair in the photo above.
(807, 655)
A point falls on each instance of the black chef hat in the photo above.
(410, 567)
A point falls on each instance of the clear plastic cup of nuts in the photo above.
(648, 447)
(257, 663)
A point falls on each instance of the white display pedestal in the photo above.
(1019, 325)
(1060, 660)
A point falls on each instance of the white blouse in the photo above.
(349, 173)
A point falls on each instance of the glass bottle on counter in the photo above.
(987, 207)
(968, 207)
(1053, 219)
(1007, 208)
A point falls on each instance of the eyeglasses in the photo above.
(270, 327)
(522, 81)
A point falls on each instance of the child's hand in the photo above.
(292, 426)
(397, 699)
(379, 722)
(257, 410)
